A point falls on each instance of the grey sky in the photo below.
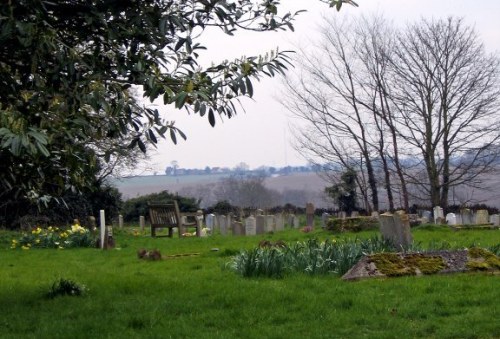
(260, 135)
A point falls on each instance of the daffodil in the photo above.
(25, 247)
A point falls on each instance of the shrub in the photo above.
(355, 224)
(66, 287)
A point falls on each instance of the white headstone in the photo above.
(466, 215)
(451, 219)
(209, 221)
(438, 214)
(120, 221)
(103, 227)
(495, 219)
(270, 223)
(142, 222)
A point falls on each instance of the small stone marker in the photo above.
(310, 214)
(396, 228)
(482, 217)
(250, 226)
(120, 221)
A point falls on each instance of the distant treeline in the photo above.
(263, 170)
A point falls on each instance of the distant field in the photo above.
(135, 186)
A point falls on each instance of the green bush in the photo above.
(355, 224)
(134, 208)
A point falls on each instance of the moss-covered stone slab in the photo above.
(437, 262)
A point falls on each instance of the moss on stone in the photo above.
(393, 264)
(480, 259)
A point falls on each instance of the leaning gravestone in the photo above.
(396, 228)
(250, 226)
(482, 217)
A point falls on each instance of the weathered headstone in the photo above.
(375, 214)
(482, 217)
(209, 222)
(260, 224)
(279, 223)
(250, 226)
(396, 228)
(451, 219)
(120, 221)
(495, 219)
(238, 228)
(142, 222)
(296, 222)
(310, 214)
(354, 214)
(427, 215)
(438, 215)
(324, 219)
(222, 224)
(270, 226)
(342, 214)
(466, 215)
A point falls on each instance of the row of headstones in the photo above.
(465, 217)
(252, 225)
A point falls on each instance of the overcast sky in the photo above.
(260, 136)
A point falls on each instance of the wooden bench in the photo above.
(168, 215)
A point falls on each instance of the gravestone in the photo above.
(438, 215)
(466, 215)
(310, 214)
(279, 222)
(142, 222)
(482, 217)
(396, 228)
(427, 215)
(354, 214)
(222, 219)
(451, 219)
(209, 222)
(120, 221)
(290, 218)
(260, 224)
(238, 228)
(375, 214)
(270, 225)
(92, 223)
(250, 226)
(102, 223)
(296, 222)
(342, 214)
(324, 219)
(495, 219)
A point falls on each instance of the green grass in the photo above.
(196, 297)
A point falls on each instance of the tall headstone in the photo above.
(260, 224)
(250, 226)
(120, 221)
(142, 222)
(324, 219)
(438, 215)
(209, 222)
(222, 224)
(270, 223)
(310, 214)
(466, 215)
(279, 222)
(451, 219)
(482, 217)
(102, 222)
(495, 219)
(396, 228)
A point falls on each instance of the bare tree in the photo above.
(446, 91)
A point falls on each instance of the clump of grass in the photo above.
(311, 257)
(66, 287)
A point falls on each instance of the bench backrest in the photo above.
(164, 214)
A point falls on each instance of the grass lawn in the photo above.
(197, 297)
